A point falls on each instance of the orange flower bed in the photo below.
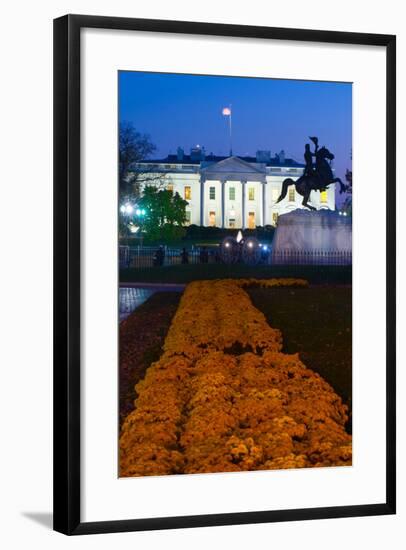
(270, 283)
(207, 406)
(217, 315)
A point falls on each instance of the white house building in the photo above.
(233, 192)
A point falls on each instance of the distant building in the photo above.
(234, 192)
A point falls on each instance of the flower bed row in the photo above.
(224, 398)
(218, 315)
(270, 283)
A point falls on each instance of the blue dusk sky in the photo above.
(268, 114)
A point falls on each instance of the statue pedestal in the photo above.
(320, 237)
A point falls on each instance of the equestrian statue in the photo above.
(315, 177)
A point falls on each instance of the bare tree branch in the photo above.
(133, 148)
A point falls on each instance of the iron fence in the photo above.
(144, 256)
(311, 257)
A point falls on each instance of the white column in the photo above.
(243, 213)
(223, 200)
(202, 201)
(263, 204)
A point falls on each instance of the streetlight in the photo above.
(126, 208)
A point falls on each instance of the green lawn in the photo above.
(191, 272)
(317, 323)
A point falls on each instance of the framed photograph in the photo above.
(224, 300)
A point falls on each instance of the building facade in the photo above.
(233, 192)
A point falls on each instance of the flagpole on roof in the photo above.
(231, 140)
(227, 111)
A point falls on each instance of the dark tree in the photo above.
(133, 148)
(348, 177)
(347, 207)
(165, 214)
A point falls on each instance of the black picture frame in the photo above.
(67, 295)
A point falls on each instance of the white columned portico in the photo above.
(233, 171)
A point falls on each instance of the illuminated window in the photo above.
(231, 223)
(275, 194)
(231, 194)
(274, 218)
(212, 219)
(251, 193)
(170, 188)
(323, 196)
(291, 194)
(188, 217)
(251, 220)
(212, 193)
(188, 192)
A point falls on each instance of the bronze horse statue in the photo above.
(317, 180)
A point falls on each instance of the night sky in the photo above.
(185, 110)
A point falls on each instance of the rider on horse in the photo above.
(310, 170)
(314, 178)
(308, 156)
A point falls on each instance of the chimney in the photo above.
(263, 156)
(282, 157)
(197, 153)
(180, 153)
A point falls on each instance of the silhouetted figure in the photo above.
(308, 156)
(204, 255)
(264, 253)
(159, 256)
(185, 256)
